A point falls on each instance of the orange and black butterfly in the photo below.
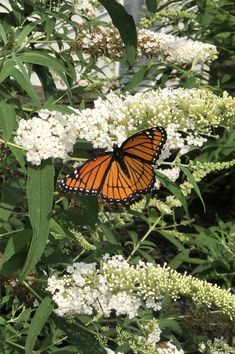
(122, 175)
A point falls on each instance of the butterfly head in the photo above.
(117, 151)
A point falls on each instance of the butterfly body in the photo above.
(118, 156)
(120, 176)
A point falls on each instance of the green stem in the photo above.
(15, 344)
(31, 290)
(11, 232)
(138, 244)
(78, 256)
(86, 329)
(29, 278)
(174, 164)
(54, 343)
(80, 159)
(8, 143)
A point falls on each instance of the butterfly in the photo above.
(120, 176)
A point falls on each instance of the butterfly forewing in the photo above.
(88, 177)
(146, 145)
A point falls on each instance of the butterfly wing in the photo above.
(120, 188)
(145, 145)
(88, 178)
(105, 175)
(140, 151)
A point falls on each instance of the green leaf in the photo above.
(172, 239)
(2, 321)
(7, 120)
(40, 188)
(43, 312)
(12, 195)
(137, 78)
(47, 81)
(50, 26)
(85, 342)
(15, 245)
(178, 260)
(26, 30)
(86, 215)
(3, 34)
(26, 85)
(194, 184)
(7, 69)
(23, 318)
(151, 5)
(170, 324)
(19, 155)
(108, 234)
(41, 58)
(126, 27)
(173, 188)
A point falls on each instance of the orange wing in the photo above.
(118, 188)
(121, 176)
(104, 176)
(88, 178)
(146, 145)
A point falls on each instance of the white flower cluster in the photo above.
(118, 286)
(100, 40)
(50, 134)
(153, 334)
(110, 351)
(85, 7)
(217, 346)
(192, 111)
(112, 120)
(76, 294)
(169, 348)
(165, 348)
(172, 49)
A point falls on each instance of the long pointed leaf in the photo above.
(9, 66)
(137, 77)
(44, 59)
(194, 184)
(173, 188)
(16, 244)
(151, 5)
(7, 119)
(25, 31)
(40, 188)
(3, 34)
(26, 85)
(126, 27)
(43, 312)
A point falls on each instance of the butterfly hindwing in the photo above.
(120, 188)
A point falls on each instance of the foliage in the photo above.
(205, 20)
(155, 277)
